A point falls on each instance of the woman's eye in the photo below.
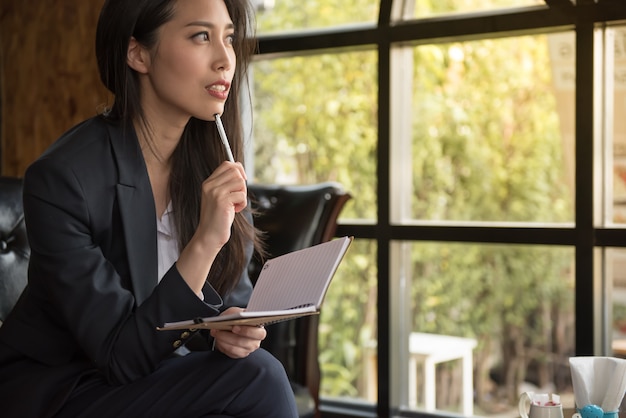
(230, 39)
(202, 36)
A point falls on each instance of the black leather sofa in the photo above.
(14, 249)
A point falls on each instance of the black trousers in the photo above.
(200, 384)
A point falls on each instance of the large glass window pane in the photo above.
(296, 15)
(484, 130)
(348, 332)
(315, 120)
(427, 8)
(614, 82)
(482, 323)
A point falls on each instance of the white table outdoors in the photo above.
(432, 349)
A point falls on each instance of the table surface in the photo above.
(619, 347)
(440, 348)
(423, 343)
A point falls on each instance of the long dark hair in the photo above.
(199, 152)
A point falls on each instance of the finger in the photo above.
(239, 201)
(252, 332)
(227, 166)
(232, 339)
(237, 348)
(233, 351)
(228, 193)
(242, 171)
(249, 338)
(230, 180)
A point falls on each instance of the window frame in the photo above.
(586, 236)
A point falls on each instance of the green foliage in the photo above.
(487, 136)
(299, 15)
(315, 120)
(452, 296)
(348, 321)
(428, 7)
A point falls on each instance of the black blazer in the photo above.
(92, 303)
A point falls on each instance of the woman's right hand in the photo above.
(224, 193)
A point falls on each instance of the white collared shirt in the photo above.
(168, 251)
(167, 242)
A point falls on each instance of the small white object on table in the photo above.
(432, 349)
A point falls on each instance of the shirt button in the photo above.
(177, 343)
(185, 334)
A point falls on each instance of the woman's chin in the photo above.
(210, 114)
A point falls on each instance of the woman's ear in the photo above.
(137, 57)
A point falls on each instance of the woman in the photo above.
(135, 219)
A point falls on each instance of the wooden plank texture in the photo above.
(48, 75)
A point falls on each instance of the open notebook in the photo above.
(289, 286)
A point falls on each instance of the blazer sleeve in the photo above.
(84, 306)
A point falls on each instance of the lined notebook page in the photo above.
(297, 279)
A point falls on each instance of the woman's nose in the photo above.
(224, 57)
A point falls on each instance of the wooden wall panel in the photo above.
(49, 79)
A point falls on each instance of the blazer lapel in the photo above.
(138, 213)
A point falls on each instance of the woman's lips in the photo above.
(218, 90)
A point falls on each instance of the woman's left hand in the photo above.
(239, 341)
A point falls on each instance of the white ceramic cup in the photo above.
(528, 410)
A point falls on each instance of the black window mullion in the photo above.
(385, 383)
(585, 234)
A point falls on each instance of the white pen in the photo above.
(222, 132)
